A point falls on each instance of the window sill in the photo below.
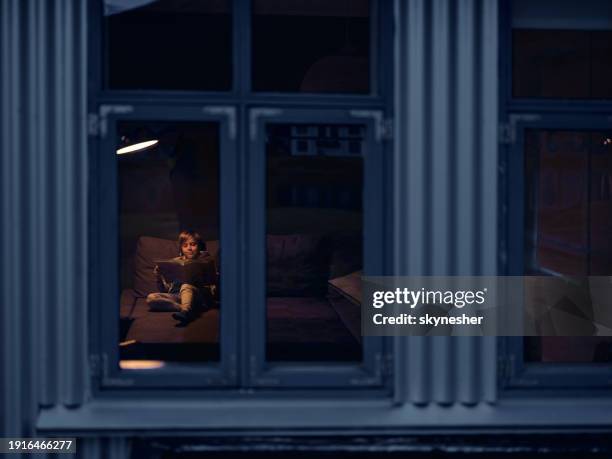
(167, 417)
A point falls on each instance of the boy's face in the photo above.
(190, 248)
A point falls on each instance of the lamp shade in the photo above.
(136, 139)
(137, 146)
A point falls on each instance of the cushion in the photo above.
(297, 265)
(149, 249)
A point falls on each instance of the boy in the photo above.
(181, 298)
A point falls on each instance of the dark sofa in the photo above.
(307, 315)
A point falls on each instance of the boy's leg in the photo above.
(188, 297)
(163, 302)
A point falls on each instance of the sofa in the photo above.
(308, 316)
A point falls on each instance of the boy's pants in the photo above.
(183, 301)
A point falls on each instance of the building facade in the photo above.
(445, 123)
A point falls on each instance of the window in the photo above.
(558, 172)
(325, 46)
(184, 181)
(164, 189)
(565, 55)
(561, 165)
(568, 201)
(308, 206)
(566, 209)
(169, 44)
(288, 200)
(314, 233)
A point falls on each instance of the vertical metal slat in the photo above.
(440, 73)
(454, 146)
(488, 178)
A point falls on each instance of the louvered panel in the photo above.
(13, 225)
(44, 192)
(446, 202)
(441, 193)
(71, 191)
(488, 179)
(45, 309)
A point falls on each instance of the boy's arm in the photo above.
(162, 284)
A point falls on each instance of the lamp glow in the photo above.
(140, 364)
(137, 147)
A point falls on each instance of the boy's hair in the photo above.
(185, 235)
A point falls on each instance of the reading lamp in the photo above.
(131, 147)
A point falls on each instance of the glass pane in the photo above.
(314, 46)
(556, 177)
(601, 208)
(551, 64)
(314, 241)
(169, 236)
(562, 55)
(568, 220)
(601, 50)
(169, 44)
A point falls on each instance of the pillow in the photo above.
(149, 249)
(297, 265)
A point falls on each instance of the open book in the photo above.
(195, 272)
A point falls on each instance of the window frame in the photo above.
(222, 373)
(370, 372)
(381, 81)
(242, 99)
(514, 372)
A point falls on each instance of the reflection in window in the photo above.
(169, 44)
(314, 241)
(557, 167)
(563, 55)
(315, 46)
(568, 223)
(166, 188)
